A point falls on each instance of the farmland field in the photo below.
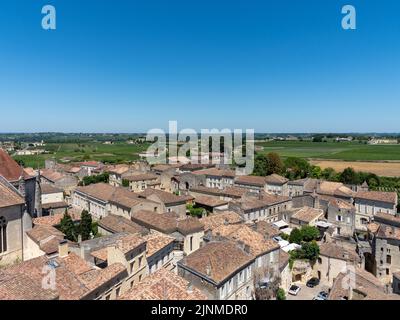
(386, 169)
(383, 160)
(118, 152)
(348, 151)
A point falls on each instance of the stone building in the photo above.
(14, 221)
(221, 270)
(187, 232)
(342, 215)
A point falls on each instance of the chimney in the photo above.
(246, 248)
(63, 249)
(208, 270)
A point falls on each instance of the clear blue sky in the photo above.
(128, 66)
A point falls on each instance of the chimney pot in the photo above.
(63, 249)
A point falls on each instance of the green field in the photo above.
(351, 151)
(115, 153)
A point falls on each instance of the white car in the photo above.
(294, 290)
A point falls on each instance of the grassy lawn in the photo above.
(118, 152)
(332, 150)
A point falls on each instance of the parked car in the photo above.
(294, 290)
(323, 295)
(312, 282)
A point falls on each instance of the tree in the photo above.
(125, 183)
(317, 138)
(68, 227)
(85, 226)
(260, 165)
(329, 174)
(316, 172)
(280, 294)
(349, 176)
(297, 168)
(195, 212)
(309, 233)
(265, 165)
(310, 251)
(295, 236)
(275, 164)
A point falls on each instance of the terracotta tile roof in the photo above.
(308, 214)
(141, 177)
(251, 180)
(74, 170)
(52, 175)
(55, 219)
(267, 229)
(167, 222)
(389, 197)
(215, 172)
(257, 243)
(118, 169)
(298, 182)
(263, 200)
(276, 179)
(101, 191)
(165, 167)
(72, 282)
(126, 244)
(362, 281)
(22, 287)
(55, 205)
(9, 196)
(94, 279)
(108, 193)
(387, 218)
(217, 261)
(388, 232)
(165, 197)
(195, 166)
(189, 225)
(127, 201)
(116, 224)
(209, 201)
(94, 164)
(333, 189)
(232, 192)
(163, 285)
(341, 204)
(9, 168)
(46, 237)
(217, 219)
(156, 241)
(48, 189)
(336, 251)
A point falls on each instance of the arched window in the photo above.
(3, 234)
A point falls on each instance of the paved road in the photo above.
(307, 293)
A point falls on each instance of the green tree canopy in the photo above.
(85, 226)
(68, 227)
(295, 236)
(310, 251)
(280, 294)
(309, 233)
(297, 168)
(266, 164)
(349, 176)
